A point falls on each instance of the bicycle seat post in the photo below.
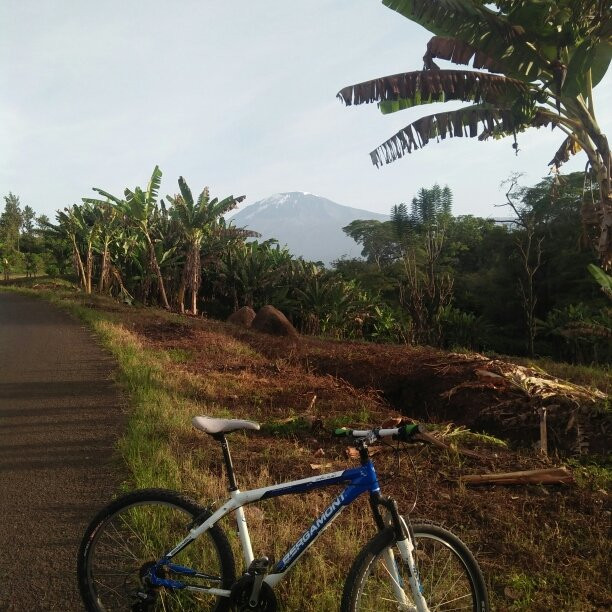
(241, 523)
(227, 458)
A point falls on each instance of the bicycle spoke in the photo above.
(446, 582)
(131, 540)
(443, 598)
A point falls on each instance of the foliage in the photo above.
(604, 280)
(548, 55)
(464, 329)
(426, 277)
(483, 260)
(11, 221)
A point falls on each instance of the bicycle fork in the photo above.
(405, 544)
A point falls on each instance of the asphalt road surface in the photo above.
(60, 415)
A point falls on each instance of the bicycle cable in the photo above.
(397, 449)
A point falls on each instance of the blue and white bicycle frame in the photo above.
(359, 480)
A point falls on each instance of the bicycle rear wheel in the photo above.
(449, 574)
(135, 531)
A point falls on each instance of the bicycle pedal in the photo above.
(259, 566)
(145, 602)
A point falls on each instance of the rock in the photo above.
(243, 317)
(272, 321)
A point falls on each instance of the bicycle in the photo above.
(155, 549)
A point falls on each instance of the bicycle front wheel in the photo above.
(132, 533)
(449, 575)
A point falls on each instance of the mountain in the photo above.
(310, 226)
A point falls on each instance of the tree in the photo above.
(196, 220)
(138, 209)
(10, 223)
(28, 216)
(378, 239)
(107, 221)
(426, 288)
(68, 228)
(402, 222)
(42, 222)
(529, 243)
(547, 56)
(430, 205)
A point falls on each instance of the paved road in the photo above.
(60, 415)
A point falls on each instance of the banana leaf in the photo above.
(474, 121)
(400, 91)
(473, 23)
(154, 184)
(568, 147)
(593, 55)
(458, 52)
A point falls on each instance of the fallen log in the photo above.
(547, 476)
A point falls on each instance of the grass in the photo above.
(522, 590)
(462, 435)
(525, 538)
(161, 449)
(593, 472)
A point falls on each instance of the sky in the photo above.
(239, 96)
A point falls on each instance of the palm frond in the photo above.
(473, 23)
(203, 199)
(96, 202)
(154, 184)
(242, 233)
(110, 196)
(185, 192)
(604, 280)
(225, 205)
(458, 52)
(404, 90)
(473, 121)
(568, 147)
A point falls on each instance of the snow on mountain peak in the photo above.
(310, 225)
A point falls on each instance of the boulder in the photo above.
(272, 321)
(243, 317)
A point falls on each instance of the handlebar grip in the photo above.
(407, 432)
(342, 432)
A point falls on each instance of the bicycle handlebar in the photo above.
(405, 433)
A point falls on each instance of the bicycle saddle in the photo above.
(215, 426)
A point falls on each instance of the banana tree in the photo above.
(108, 223)
(69, 227)
(532, 63)
(254, 273)
(138, 208)
(197, 219)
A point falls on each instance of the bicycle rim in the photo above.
(446, 575)
(129, 540)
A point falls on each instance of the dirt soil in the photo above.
(60, 416)
(482, 394)
(540, 547)
(524, 537)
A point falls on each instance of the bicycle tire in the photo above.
(461, 585)
(136, 530)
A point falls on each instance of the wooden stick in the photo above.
(547, 476)
(543, 432)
